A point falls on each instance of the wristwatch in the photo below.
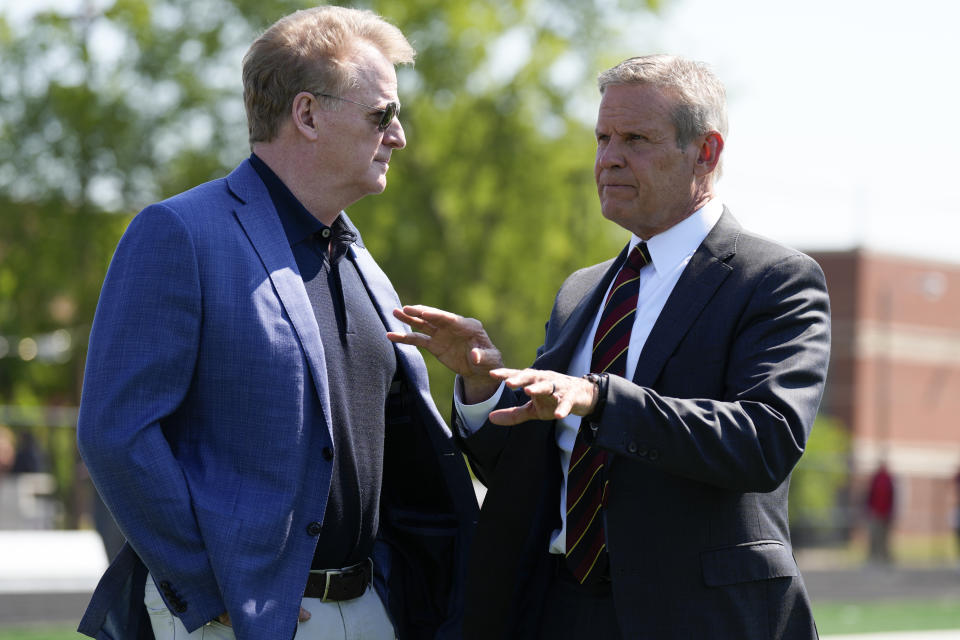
(600, 380)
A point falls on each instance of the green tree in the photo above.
(112, 105)
(493, 202)
(117, 104)
(817, 501)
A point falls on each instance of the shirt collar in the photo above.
(669, 248)
(298, 223)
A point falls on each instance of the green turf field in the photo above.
(870, 617)
(40, 634)
(832, 618)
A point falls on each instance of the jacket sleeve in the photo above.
(142, 352)
(772, 374)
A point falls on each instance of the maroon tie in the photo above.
(586, 481)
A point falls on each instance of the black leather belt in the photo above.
(339, 584)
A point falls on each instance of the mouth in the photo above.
(615, 187)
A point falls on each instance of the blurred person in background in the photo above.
(271, 457)
(30, 457)
(8, 450)
(880, 506)
(956, 510)
(638, 473)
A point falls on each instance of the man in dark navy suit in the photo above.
(638, 472)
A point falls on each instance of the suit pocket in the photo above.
(423, 557)
(152, 599)
(748, 562)
(215, 631)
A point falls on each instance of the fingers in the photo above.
(407, 315)
(553, 396)
(533, 382)
(427, 321)
(529, 411)
(486, 358)
(516, 415)
(416, 339)
(547, 392)
(418, 315)
(304, 615)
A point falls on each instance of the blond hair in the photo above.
(309, 50)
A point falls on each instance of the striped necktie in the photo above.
(586, 481)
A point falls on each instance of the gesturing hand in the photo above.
(459, 343)
(552, 396)
(224, 618)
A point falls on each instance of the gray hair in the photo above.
(701, 101)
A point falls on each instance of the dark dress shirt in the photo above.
(360, 366)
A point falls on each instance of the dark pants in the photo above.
(574, 612)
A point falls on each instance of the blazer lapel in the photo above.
(558, 351)
(258, 217)
(707, 269)
(385, 299)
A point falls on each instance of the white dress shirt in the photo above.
(670, 252)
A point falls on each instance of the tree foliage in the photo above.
(819, 508)
(108, 106)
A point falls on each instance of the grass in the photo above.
(41, 633)
(833, 618)
(877, 616)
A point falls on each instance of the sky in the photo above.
(842, 114)
(838, 114)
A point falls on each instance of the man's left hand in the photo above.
(552, 396)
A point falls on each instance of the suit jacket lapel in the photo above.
(707, 269)
(559, 351)
(258, 217)
(385, 299)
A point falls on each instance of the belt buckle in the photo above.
(329, 575)
(326, 581)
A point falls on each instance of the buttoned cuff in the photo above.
(473, 416)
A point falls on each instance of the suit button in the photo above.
(314, 528)
(327, 453)
(632, 447)
(654, 454)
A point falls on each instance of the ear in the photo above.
(708, 152)
(305, 113)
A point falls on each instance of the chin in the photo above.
(612, 214)
(621, 218)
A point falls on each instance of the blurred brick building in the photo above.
(894, 377)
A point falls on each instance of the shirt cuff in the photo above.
(473, 416)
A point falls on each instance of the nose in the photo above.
(393, 135)
(609, 155)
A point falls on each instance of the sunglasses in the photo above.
(387, 114)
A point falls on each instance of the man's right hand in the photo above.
(459, 343)
(224, 618)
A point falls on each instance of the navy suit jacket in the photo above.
(703, 441)
(204, 372)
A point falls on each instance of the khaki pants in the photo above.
(363, 618)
